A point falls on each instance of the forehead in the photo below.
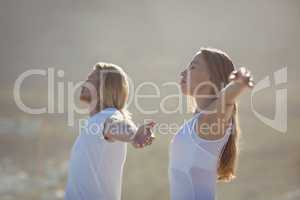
(198, 59)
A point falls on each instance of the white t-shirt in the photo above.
(193, 163)
(96, 165)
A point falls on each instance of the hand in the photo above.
(144, 136)
(242, 76)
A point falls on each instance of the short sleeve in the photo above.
(116, 128)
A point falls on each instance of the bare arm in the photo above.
(220, 110)
(126, 131)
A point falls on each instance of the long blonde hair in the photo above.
(112, 87)
(220, 66)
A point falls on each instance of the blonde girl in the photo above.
(99, 152)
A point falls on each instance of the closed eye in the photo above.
(192, 67)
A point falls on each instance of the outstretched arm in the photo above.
(126, 131)
(220, 110)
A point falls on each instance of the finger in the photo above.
(150, 124)
(248, 73)
(243, 70)
(152, 138)
(149, 142)
(251, 84)
(232, 76)
(152, 134)
(234, 72)
(149, 132)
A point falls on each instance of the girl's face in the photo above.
(195, 78)
(89, 87)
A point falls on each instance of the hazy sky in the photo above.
(152, 40)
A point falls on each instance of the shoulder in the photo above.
(116, 116)
(119, 128)
(212, 126)
(117, 122)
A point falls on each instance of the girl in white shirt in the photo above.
(99, 152)
(205, 149)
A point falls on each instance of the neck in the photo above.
(203, 99)
(93, 108)
(202, 103)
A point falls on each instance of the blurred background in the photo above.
(153, 41)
